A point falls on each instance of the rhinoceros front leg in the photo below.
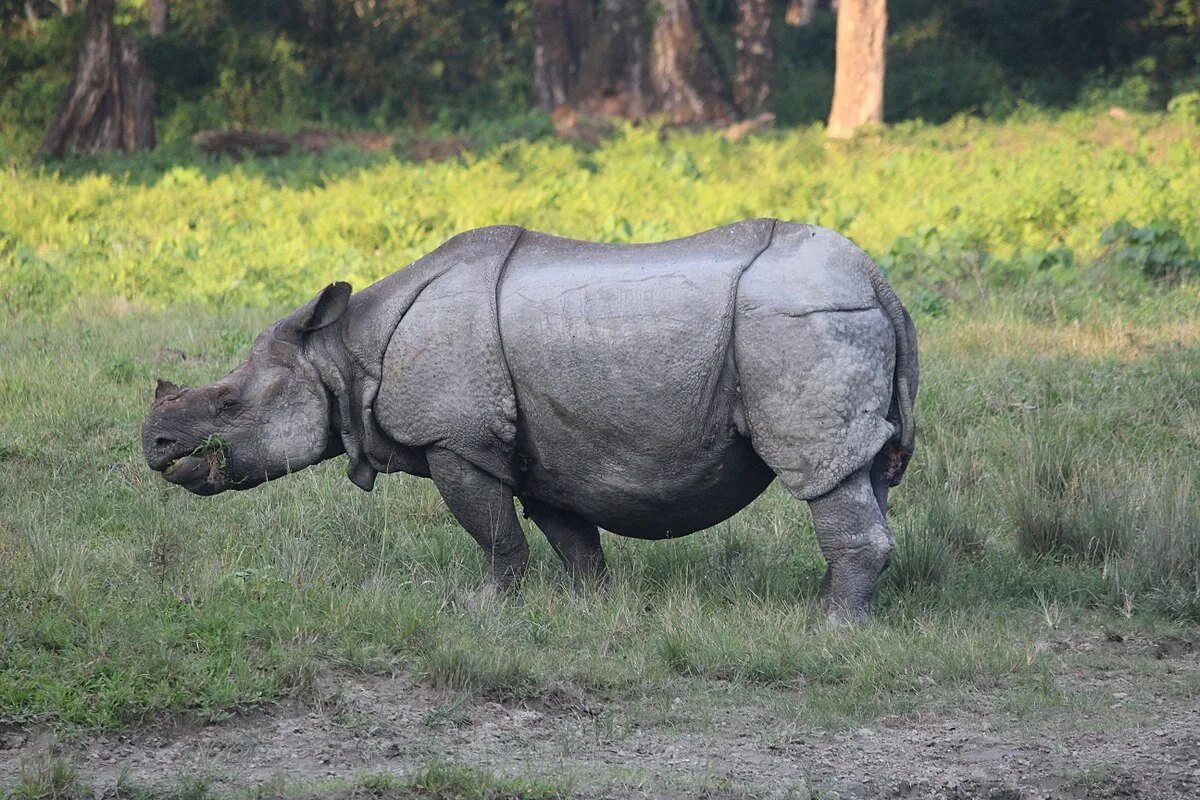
(484, 506)
(574, 539)
(856, 543)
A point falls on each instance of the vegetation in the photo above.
(446, 63)
(53, 778)
(1051, 267)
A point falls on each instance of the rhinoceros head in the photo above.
(270, 416)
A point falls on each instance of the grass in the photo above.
(54, 778)
(126, 597)
(1055, 482)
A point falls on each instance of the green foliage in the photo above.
(1185, 107)
(1156, 250)
(242, 62)
(982, 210)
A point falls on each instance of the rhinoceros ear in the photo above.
(163, 388)
(323, 310)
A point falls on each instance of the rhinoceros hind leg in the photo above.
(575, 540)
(484, 506)
(856, 543)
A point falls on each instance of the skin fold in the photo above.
(652, 390)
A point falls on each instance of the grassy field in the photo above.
(1056, 493)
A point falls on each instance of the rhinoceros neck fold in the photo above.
(355, 353)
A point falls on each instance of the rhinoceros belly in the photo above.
(625, 388)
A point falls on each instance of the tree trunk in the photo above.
(688, 84)
(109, 104)
(752, 85)
(858, 79)
(560, 32)
(158, 16)
(614, 71)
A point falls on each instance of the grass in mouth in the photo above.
(212, 449)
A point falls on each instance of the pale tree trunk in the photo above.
(752, 34)
(158, 17)
(109, 104)
(560, 32)
(614, 71)
(688, 84)
(800, 12)
(858, 79)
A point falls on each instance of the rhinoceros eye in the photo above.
(226, 403)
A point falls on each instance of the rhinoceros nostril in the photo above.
(162, 442)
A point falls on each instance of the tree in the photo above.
(858, 76)
(560, 32)
(158, 16)
(688, 84)
(614, 69)
(600, 58)
(752, 36)
(109, 104)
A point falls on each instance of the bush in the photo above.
(1185, 107)
(1157, 250)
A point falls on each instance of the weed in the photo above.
(445, 781)
(451, 714)
(921, 560)
(49, 778)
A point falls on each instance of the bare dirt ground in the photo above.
(1146, 744)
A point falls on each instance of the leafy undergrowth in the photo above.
(949, 211)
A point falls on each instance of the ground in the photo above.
(706, 741)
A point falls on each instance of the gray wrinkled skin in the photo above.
(652, 390)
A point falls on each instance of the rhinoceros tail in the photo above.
(900, 449)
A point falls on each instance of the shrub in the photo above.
(1157, 250)
(1185, 107)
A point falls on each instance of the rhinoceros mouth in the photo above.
(199, 474)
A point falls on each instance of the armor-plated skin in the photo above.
(652, 390)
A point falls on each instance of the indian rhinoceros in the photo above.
(652, 390)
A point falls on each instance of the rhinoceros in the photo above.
(652, 390)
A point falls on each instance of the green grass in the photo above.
(1055, 482)
(53, 778)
